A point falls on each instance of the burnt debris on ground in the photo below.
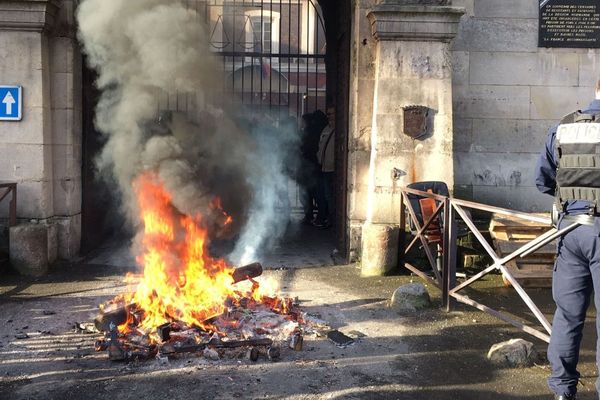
(247, 325)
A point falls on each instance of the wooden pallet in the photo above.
(509, 234)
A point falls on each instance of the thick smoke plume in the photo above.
(143, 49)
(270, 207)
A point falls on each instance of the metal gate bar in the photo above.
(450, 207)
(272, 54)
(297, 27)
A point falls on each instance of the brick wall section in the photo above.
(507, 93)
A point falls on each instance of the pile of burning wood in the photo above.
(187, 301)
(246, 326)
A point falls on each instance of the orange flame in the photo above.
(226, 219)
(180, 281)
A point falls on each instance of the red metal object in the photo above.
(7, 188)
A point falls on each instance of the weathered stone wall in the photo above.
(42, 153)
(507, 93)
(362, 89)
(402, 58)
(66, 104)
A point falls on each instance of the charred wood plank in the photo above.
(164, 331)
(169, 348)
(247, 271)
(116, 315)
(241, 343)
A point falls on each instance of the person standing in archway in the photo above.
(309, 169)
(326, 157)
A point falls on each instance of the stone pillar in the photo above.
(412, 66)
(66, 108)
(42, 151)
(379, 253)
(25, 146)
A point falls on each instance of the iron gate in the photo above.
(273, 58)
(272, 53)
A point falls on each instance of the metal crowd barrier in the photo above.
(446, 280)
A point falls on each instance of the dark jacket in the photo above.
(545, 170)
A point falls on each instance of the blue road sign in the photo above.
(11, 103)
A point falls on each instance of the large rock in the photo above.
(513, 353)
(410, 297)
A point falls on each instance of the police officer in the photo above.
(569, 170)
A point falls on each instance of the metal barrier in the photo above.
(446, 280)
(5, 189)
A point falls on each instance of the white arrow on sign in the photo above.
(9, 100)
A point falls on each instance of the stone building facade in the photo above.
(507, 93)
(492, 95)
(499, 94)
(42, 153)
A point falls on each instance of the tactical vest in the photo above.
(578, 148)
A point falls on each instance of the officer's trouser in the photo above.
(576, 274)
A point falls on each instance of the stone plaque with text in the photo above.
(569, 23)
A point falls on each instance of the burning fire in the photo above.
(180, 280)
(216, 205)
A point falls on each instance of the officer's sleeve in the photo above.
(545, 169)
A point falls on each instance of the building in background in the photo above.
(272, 54)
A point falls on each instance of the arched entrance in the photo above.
(282, 57)
(290, 57)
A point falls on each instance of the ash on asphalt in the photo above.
(426, 355)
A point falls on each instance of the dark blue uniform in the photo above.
(576, 274)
